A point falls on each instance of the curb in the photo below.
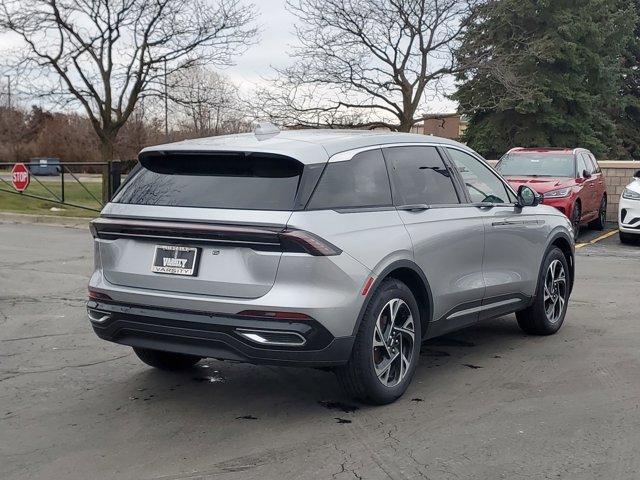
(49, 220)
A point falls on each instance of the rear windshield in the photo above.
(253, 181)
(537, 165)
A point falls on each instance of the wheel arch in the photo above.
(409, 273)
(564, 243)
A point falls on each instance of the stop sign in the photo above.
(20, 177)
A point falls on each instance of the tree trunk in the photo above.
(107, 149)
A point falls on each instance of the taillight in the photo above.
(93, 295)
(275, 315)
(307, 242)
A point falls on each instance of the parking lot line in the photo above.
(597, 239)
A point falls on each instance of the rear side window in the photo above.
(253, 181)
(420, 176)
(360, 182)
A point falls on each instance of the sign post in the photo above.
(20, 177)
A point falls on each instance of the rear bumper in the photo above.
(216, 335)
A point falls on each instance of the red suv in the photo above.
(570, 180)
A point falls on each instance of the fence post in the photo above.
(115, 170)
(106, 180)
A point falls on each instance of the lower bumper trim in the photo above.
(217, 335)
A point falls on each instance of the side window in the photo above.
(582, 165)
(596, 167)
(483, 185)
(360, 182)
(420, 176)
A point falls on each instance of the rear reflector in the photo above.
(367, 285)
(275, 315)
(93, 295)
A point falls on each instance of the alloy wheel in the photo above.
(393, 342)
(555, 291)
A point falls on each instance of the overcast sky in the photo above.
(276, 37)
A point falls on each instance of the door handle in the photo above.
(416, 207)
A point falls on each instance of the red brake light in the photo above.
(302, 241)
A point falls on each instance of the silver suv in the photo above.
(336, 249)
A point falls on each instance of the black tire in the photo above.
(575, 219)
(601, 222)
(535, 319)
(628, 237)
(166, 360)
(358, 377)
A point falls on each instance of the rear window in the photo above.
(536, 165)
(360, 182)
(253, 181)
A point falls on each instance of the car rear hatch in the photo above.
(203, 223)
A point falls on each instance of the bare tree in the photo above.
(107, 54)
(207, 100)
(374, 61)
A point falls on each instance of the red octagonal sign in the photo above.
(20, 177)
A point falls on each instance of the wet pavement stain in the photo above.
(435, 353)
(246, 417)
(342, 420)
(343, 407)
(469, 365)
(210, 379)
(417, 400)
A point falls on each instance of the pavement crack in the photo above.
(17, 373)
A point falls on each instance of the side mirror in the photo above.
(527, 197)
(586, 174)
(637, 174)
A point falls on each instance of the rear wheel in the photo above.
(166, 360)
(547, 313)
(600, 222)
(387, 346)
(575, 219)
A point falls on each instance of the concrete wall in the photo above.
(618, 175)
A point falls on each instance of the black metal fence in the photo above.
(111, 176)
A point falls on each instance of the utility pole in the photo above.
(8, 91)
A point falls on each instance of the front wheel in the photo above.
(546, 315)
(387, 346)
(628, 237)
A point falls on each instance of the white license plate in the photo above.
(175, 260)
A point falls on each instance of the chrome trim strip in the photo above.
(246, 333)
(481, 308)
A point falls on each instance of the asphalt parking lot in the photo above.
(486, 403)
